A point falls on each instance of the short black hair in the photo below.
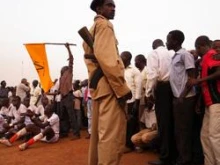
(178, 36)
(202, 41)
(2, 82)
(17, 98)
(141, 57)
(156, 43)
(218, 40)
(96, 3)
(50, 107)
(127, 54)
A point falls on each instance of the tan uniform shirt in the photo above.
(106, 53)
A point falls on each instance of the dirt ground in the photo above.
(65, 152)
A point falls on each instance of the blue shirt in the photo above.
(181, 62)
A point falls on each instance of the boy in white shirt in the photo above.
(77, 109)
(149, 131)
(47, 131)
(16, 114)
(2, 122)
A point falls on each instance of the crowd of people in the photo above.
(30, 113)
(168, 102)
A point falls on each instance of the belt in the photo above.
(163, 82)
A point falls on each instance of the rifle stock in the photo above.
(98, 73)
(86, 36)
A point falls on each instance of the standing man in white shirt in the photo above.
(35, 93)
(158, 90)
(23, 89)
(133, 79)
(141, 64)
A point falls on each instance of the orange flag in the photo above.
(38, 55)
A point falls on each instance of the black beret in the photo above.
(96, 3)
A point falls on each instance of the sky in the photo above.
(137, 23)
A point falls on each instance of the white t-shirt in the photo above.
(5, 111)
(148, 118)
(35, 93)
(77, 100)
(56, 88)
(2, 121)
(16, 113)
(134, 80)
(27, 119)
(22, 90)
(40, 112)
(54, 123)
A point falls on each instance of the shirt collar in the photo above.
(180, 51)
(99, 16)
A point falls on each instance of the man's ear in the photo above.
(99, 10)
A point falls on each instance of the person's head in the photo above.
(16, 101)
(140, 61)
(3, 84)
(156, 43)
(24, 80)
(49, 109)
(216, 46)
(175, 39)
(35, 83)
(84, 83)
(202, 45)
(76, 85)
(12, 90)
(65, 68)
(26, 102)
(6, 102)
(105, 8)
(126, 58)
(44, 101)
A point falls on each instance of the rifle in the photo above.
(87, 37)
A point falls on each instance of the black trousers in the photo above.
(183, 123)
(132, 124)
(67, 116)
(164, 115)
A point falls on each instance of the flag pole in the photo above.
(51, 43)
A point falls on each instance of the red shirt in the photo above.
(211, 88)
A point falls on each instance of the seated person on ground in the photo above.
(47, 131)
(16, 117)
(148, 131)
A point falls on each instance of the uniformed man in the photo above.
(110, 92)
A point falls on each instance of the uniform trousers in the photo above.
(108, 131)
